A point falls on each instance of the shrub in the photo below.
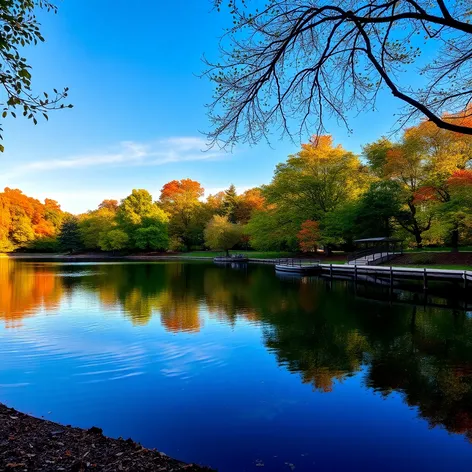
(422, 259)
(50, 244)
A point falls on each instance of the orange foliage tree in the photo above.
(247, 203)
(181, 199)
(309, 236)
(24, 219)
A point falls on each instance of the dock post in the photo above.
(425, 279)
(355, 272)
(331, 271)
(465, 280)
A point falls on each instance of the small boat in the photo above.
(301, 267)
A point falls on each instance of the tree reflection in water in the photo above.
(321, 333)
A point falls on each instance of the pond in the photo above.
(237, 368)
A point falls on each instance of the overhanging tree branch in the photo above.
(297, 61)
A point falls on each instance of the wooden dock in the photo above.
(376, 274)
(405, 273)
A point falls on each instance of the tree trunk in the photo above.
(418, 239)
(455, 239)
(227, 252)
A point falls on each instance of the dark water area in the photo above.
(239, 369)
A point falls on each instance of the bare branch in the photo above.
(296, 61)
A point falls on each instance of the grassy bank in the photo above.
(437, 249)
(434, 260)
(250, 254)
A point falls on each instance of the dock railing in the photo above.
(384, 253)
(297, 262)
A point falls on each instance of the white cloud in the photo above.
(129, 153)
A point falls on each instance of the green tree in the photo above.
(377, 210)
(222, 234)
(271, 230)
(230, 203)
(137, 206)
(138, 211)
(153, 237)
(113, 240)
(69, 235)
(93, 224)
(20, 28)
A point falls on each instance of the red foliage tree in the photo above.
(309, 236)
(461, 178)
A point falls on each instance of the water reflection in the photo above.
(322, 335)
(25, 290)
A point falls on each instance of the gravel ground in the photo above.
(32, 444)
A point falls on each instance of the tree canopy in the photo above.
(417, 188)
(20, 28)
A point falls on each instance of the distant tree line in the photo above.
(418, 188)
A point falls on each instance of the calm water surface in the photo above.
(238, 369)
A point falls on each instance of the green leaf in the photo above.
(2, 148)
(4, 114)
(24, 73)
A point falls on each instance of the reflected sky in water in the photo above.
(238, 369)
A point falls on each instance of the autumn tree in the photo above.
(250, 201)
(53, 213)
(421, 162)
(457, 211)
(309, 236)
(444, 153)
(215, 202)
(222, 234)
(5, 224)
(405, 164)
(109, 204)
(310, 185)
(24, 219)
(20, 28)
(289, 63)
(181, 199)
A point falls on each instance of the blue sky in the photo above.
(139, 107)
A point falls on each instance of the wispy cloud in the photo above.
(129, 153)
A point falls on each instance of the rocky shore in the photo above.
(32, 444)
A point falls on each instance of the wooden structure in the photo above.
(372, 251)
(297, 266)
(236, 258)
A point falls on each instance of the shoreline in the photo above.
(99, 258)
(28, 443)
